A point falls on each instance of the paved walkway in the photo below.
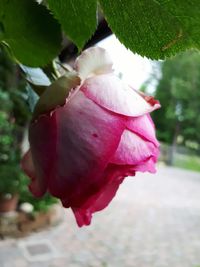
(153, 222)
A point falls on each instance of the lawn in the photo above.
(187, 162)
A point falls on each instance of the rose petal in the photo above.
(85, 138)
(110, 182)
(109, 92)
(93, 61)
(144, 127)
(42, 138)
(148, 165)
(38, 186)
(133, 150)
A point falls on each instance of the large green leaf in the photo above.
(77, 17)
(154, 28)
(30, 31)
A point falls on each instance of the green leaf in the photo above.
(1, 31)
(55, 95)
(36, 78)
(32, 97)
(30, 31)
(155, 28)
(77, 17)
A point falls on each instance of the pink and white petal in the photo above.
(110, 182)
(148, 165)
(93, 61)
(149, 99)
(133, 150)
(83, 217)
(42, 138)
(87, 136)
(111, 93)
(144, 127)
(37, 186)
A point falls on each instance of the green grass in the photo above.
(188, 162)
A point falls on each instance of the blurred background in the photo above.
(154, 221)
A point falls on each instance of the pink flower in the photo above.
(84, 143)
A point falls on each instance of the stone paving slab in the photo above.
(153, 222)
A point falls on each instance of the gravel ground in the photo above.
(154, 221)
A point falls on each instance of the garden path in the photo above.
(154, 221)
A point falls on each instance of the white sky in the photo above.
(135, 69)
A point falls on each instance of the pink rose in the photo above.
(84, 143)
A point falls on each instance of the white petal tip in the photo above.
(93, 61)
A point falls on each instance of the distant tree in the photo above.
(178, 90)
